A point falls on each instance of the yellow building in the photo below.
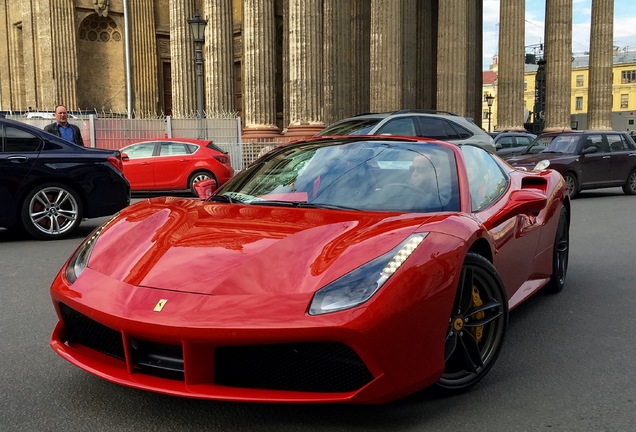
(623, 91)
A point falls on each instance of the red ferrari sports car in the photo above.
(347, 269)
(174, 164)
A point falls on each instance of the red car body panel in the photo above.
(248, 298)
(173, 172)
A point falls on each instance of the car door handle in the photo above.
(607, 157)
(17, 159)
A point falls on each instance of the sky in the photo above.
(624, 25)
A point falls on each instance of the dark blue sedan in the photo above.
(48, 185)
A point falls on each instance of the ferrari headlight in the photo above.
(359, 285)
(542, 165)
(79, 260)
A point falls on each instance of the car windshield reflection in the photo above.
(351, 175)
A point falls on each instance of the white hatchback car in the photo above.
(441, 125)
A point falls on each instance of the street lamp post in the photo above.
(489, 100)
(197, 26)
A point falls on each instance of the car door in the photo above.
(19, 151)
(623, 157)
(138, 166)
(594, 168)
(173, 165)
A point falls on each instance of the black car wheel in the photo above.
(630, 185)
(197, 177)
(476, 327)
(51, 211)
(572, 184)
(560, 253)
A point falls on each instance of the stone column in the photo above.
(259, 92)
(360, 55)
(426, 88)
(182, 59)
(337, 60)
(599, 108)
(219, 64)
(6, 95)
(474, 50)
(393, 71)
(63, 40)
(510, 102)
(144, 59)
(558, 64)
(305, 68)
(452, 58)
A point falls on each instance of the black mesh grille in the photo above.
(165, 361)
(311, 367)
(83, 330)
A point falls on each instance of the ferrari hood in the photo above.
(215, 248)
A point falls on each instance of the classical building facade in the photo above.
(286, 67)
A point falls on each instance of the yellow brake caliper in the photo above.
(477, 331)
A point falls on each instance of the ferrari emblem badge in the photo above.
(160, 304)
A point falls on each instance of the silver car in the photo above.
(440, 125)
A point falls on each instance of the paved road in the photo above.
(567, 365)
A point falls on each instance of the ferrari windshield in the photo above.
(360, 126)
(352, 174)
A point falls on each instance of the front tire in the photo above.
(630, 185)
(560, 254)
(572, 184)
(51, 211)
(477, 325)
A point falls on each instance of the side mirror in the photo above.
(498, 146)
(125, 157)
(205, 188)
(525, 201)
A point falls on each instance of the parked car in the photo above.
(512, 143)
(586, 159)
(174, 164)
(349, 270)
(440, 125)
(48, 185)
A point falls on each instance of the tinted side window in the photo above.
(523, 141)
(461, 132)
(486, 180)
(506, 142)
(399, 126)
(617, 143)
(17, 140)
(436, 128)
(141, 150)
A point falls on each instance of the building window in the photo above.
(484, 115)
(628, 77)
(525, 85)
(624, 100)
(579, 103)
(579, 80)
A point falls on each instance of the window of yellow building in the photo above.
(579, 81)
(628, 76)
(579, 103)
(624, 100)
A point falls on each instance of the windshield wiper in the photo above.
(301, 204)
(551, 151)
(222, 198)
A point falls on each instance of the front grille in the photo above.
(304, 367)
(85, 331)
(310, 367)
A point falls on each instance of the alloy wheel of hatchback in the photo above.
(572, 184)
(477, 325)
(630, 185)
(51, 211)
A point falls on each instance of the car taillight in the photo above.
(116, 162)
(225, 160)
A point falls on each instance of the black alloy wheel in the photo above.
(560, 253)
(477, 325)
